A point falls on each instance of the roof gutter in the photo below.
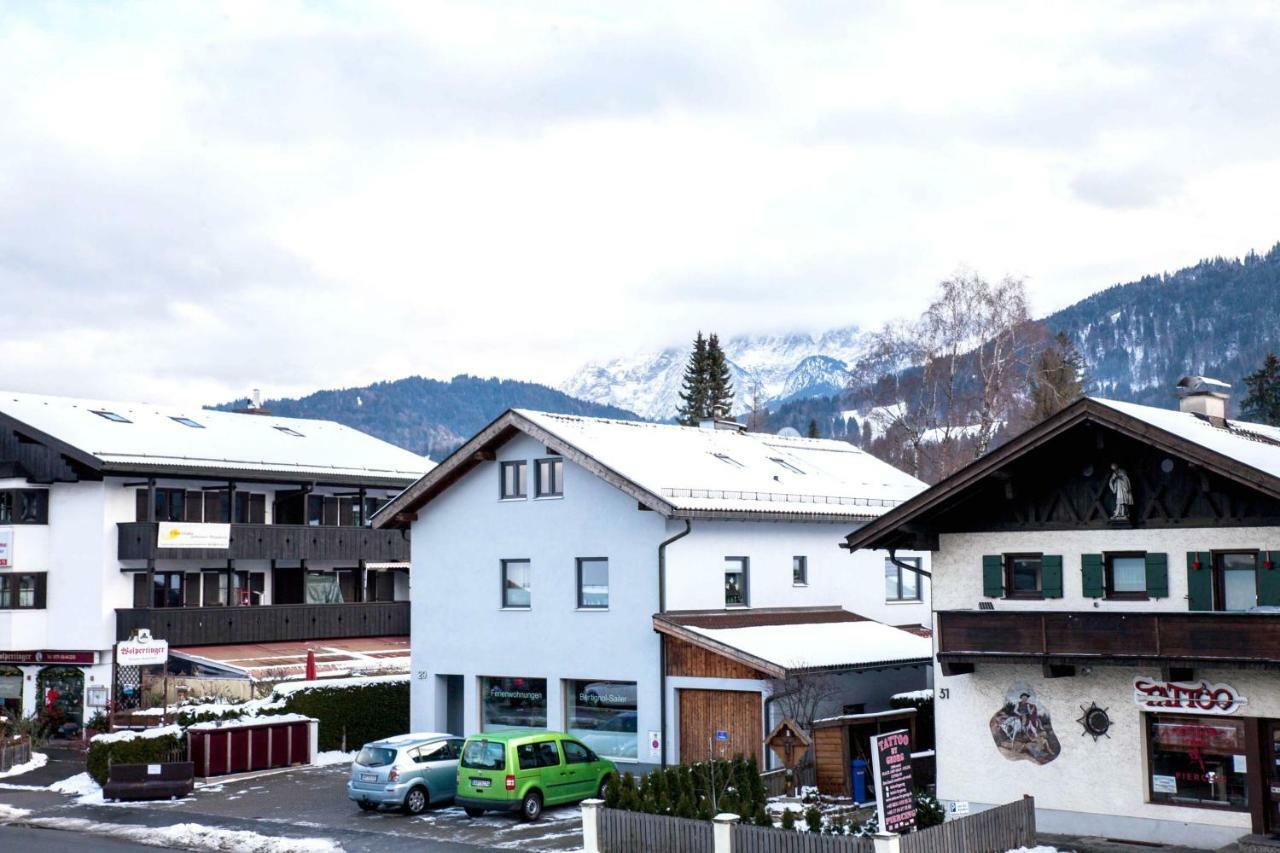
(662, 639)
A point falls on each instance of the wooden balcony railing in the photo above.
(137, 541)
(206, 626)
(1100, 637)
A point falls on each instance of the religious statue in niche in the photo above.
(1022, 729)
(1123, 491)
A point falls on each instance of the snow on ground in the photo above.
(334, 756)
(38, 759)
(191, 836)
(81, 786)
(8, 813)
(1040, 849)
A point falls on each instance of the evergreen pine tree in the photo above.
(1262, 405)
(693, 390)
(719, 388)
(1058, 378)
(813, 428)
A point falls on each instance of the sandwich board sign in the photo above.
(895, 792)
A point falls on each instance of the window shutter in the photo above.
(1158, 575)
(1269, 580)
(1199, 581)
(1091, 575)
(993, 576)
(141, 504)
(40, 590)
(1051, 575)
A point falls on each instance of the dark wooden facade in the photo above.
(205, 626)
(137, 541)
(687, 659)
(969, 637)
(704, 712)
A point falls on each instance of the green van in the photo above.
(527, 769)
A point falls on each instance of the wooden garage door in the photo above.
(702, 712)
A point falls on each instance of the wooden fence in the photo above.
(14, 751)
(1006, 827)
(627, 832)
(775, 781)
(761, 839)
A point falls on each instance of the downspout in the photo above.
(662, 639)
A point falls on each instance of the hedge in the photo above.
(365, 712)
(114, 749)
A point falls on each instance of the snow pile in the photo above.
(288, 688)
(192, 836)
(8, 813)
(251, 720)
(1039, 849)
(914, 696)
(122, 736)
(823, 644)
(82, 786)
(332, 757)
(38, 759)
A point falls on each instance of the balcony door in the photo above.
(1235, 580)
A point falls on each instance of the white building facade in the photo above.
(1105, 594)
(551, 542)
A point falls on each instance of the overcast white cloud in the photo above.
(196, 199)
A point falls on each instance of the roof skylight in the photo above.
(111, 416)
(293, 432)
(785, 464)
(186, 422)
(728, 460)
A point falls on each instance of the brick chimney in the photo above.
(1206, 397)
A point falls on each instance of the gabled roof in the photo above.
(109, 436)
(1245, 452)
(786, 640)
(691, 472)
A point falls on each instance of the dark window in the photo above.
(1198, 761)
(800, 571)
(901, 584)
(1022, 576)
(484, 755)
(287, 431)
(24, 591)
(348, 580)
(375, 756)
(217, 588)
(1126, 576)
(217, 506)
(187, 422)
(513, 703)
(170, 504)
(24, 506)
(542, 754)
(195, 506)
(516, 583)
(550, 478)
(112, 416)
(513, 480)
(593, 582)
(380, 585)
(576, 753)
(438, 751)
(251, 508)
(167, 589)
(735, 581)
(1236, 580)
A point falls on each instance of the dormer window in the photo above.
(186, 422)
(785, 465)
(111, 416)
(293, 432)
(728, 460)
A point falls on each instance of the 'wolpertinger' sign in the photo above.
(895, 792)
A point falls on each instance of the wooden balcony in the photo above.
(137, 541)
(209, 626)
(966, 637)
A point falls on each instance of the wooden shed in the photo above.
(837, 741)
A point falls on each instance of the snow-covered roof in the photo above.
(699, 469)
(149, 437)
(830, 645)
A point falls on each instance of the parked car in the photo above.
(409, 772)
(525, 770)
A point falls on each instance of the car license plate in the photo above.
(480, 783)
(368, 777)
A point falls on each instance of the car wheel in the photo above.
(368, 807)
(415, 802)
(531, 806)
(604, 787)
(472, 811)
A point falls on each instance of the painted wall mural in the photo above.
(1022, 729)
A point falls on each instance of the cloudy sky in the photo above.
(196, 199)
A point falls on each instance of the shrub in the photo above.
(363, 712)
(813, 819)
(138, 749)
(929, 811)
(788, 819)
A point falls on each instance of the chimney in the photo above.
(1204, 397)
(255, 400)
(722, 423)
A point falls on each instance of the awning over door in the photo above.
(280, 661)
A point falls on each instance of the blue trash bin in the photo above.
(859, 768)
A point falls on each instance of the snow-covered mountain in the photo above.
(785, 367)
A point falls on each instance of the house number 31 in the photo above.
(944, 692)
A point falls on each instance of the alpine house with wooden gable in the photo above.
(643, 585)
(1106, 590)
(237, 538)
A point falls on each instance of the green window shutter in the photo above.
(1269, 579)
(1091, 575)
(1199, 581)
(1051, 575)
(993, 576)
(1158, 575)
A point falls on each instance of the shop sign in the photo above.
(182, 534)
(895, 791)
(97, 696)
(6, 548)
(142, 651)
(46, 656)
(1198, 697)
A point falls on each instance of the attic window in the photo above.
(293, 432)
(187, 422)
(785, 464)
(112, 416)
(728, 460)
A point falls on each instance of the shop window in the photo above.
(25, 591)
(602, 714)
(593, 583)
(517, 583)
(799, 571)
(1197, 761)
(735, 582)
(549, 478)
(901, 584)
(514, 486)
(513, 703)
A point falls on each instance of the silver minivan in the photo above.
(408, 772)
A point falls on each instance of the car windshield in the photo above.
(484, 755)
(376, 756)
